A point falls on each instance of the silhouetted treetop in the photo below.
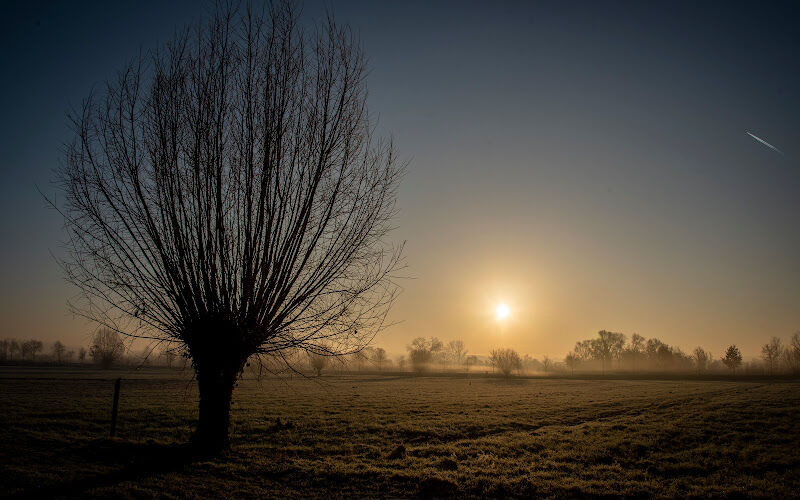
(226, 191)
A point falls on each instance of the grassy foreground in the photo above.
(392, 436)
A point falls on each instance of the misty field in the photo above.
(400, 435)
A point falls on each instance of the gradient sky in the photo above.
(586, 163)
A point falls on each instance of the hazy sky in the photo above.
(585, 163)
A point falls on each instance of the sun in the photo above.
(501, 312)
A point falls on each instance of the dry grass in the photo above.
(450, 437)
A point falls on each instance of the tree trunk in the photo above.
(215, 384)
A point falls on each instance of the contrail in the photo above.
(762, 141)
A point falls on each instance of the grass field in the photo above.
(398, 436)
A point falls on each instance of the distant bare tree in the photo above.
(701, 359)
(58, 350)
(732, 358)
(456, 352)
(318, 362)
(771, 352)
(571, 360)
(421, 352)
(69, 355)
(636, 348)
(607, 346)
(360, 358)
(4, 349)
(30, 348)
(169, 356)
(401, 362)
(470, 361)
(379, 357)
(226, 193)
(546, 363)
(791, 354)
(107, 348)
(82, 354)
(506, 360)
(13, 347)
(583, 349)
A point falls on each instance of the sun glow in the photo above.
(501, 312)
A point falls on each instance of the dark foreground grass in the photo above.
(395, 436)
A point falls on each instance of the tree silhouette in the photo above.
(169, 356)
(701, 359)
(733, 358)
(456, 352)
(30, 348)
(58, 350)
(421, 352)
(13, 346)
(771, 352)
(546, 362)
(571, 360)
(792, 354)
(506, 360)
(607, 346)
(379, 357)
(226, 193)
(107, 348)
(318, 362)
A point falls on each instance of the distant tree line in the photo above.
(614, 351)
(608, 351)
(105, 350)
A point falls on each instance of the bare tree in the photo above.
(470, 361)
(583, 349)
(226, 193)
(13, 347)
(107, 348)
(771, 352)
(791, 354)
(457, 352)
(732, 358)
(571, 360)
(318, 362)
(30, 348)
(636, 348)
(82, 354)
(421, 352)
(4, 349)
(701, 359)
(379, 357)
(58, 350)
(546, 363)
(169, 356)
(506, 360)
(607, 346)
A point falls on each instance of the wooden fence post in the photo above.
(115, 407)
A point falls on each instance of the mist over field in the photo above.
(282, 249)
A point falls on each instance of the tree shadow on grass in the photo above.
(129, 460)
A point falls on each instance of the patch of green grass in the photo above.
(466, 437)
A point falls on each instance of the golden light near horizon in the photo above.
(501, 311)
